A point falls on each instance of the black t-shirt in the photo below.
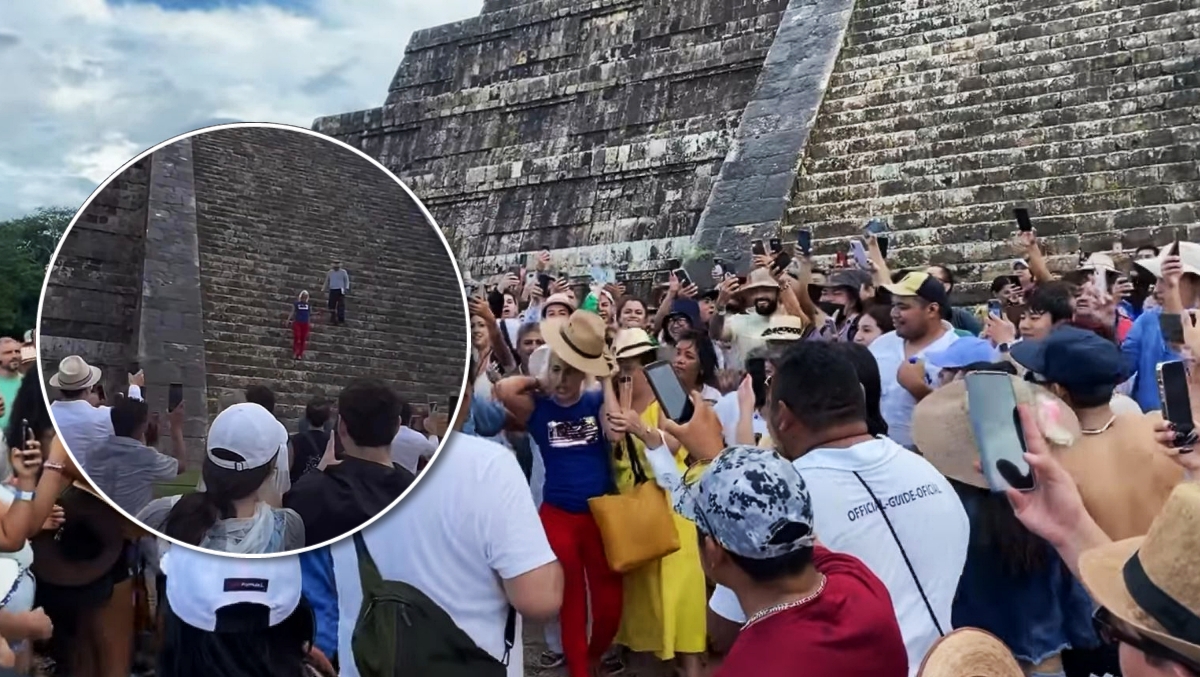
(307, 449)
(342, 497)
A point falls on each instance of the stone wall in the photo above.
(945, 115)
(91, 303)
(593, 128)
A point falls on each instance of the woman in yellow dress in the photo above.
(665, 607)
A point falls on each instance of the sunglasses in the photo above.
(1113, 630)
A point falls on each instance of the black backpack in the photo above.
(400, 632)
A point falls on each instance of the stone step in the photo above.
(301, 383)
(252, 352)
(323, 253)
(302, 277)
(288, 289)
(322, 337)
(256, 312)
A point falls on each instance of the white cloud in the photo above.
(89, 84)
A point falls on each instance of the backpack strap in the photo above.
(368, 573)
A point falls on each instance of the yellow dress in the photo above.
(665, 607)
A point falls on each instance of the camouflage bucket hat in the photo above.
(753, 502)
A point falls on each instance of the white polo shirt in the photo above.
(897, 404)
(729, 413)
(470, 525)
(84, 427)
(928, 517)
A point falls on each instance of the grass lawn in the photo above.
(183, 484)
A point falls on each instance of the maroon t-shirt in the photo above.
(850, 630)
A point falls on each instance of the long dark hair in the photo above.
(996, 529)
(196, 513)
(29, 405)
(868, 376)
(707, 354)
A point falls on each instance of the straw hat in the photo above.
(579, 341)
(631, 343)
(75, 374)
(89, 543)
(558, 300)
(1099, 261)
(1189, 254)
(941, 427)
(970, 652)
(28, 354)
(784, 328)
(1140, 579)
(760, 278)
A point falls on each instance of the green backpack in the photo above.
(400, 632)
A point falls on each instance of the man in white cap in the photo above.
(84, 425)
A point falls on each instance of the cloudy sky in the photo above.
(88, 84)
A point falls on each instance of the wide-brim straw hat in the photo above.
(631, 343)
(942, 432)
(760, 278)
(75, 374)
(784, 328)
(1189, 254)
(970, 652)
(92, 540)
(1160, 566)
(579, 340)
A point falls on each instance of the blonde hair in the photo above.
(303, 293)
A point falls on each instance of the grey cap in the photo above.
(746, 499)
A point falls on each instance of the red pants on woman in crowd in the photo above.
(299, 338)
(575, 539)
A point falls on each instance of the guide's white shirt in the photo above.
(928, 517)
(897, 404)
(84, 427)
(470, 524)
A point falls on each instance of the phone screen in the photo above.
(544, 281)
(174, 396)
(994, 308)
(1174, 250)
(1172, 327)
(804, 241)
(860, 254)
(682, 276)
(757, 368)
(776, 245)
(992, 406)
(1100, 280)
(782, 261)
(1024, 223)
(671, 395)
(1176, 403)
(757, 248)
(883, 245)
(432, 403)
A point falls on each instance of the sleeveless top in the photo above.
(302, 310)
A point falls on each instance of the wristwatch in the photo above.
(1003, 348)
(19, 495)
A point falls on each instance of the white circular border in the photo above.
(430, 221)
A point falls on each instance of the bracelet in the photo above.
(19, 495)
(53, 465)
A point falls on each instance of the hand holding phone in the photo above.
(860, 254)
(999, 435)
(995, 308)
(174, 396)
(776, 246)
(804, 241)
(682, 276)
(670, 393)
(757, 248)
(1024, 223)
(1177, 403)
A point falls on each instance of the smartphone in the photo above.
(757, 368)
(670, 393)
(1024, 223)
(544, 281)
(992, 408)
(782, 261)
(1176, 403)
(804, 241)
(882, 240)
(451, 405)
(876, 227)
(174, 396)
(625, 391)
(432, 403)
(995, 308)
(1100, 280)
(1174, 250)
(718, 270)
(757, 248)
(682, 276)
(776, 245)
(1171, 325)
(25, 432)
(860, 254)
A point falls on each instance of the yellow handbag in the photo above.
(637, 527)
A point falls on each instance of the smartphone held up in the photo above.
(670, 393)
(1176, 403)
(999, 437)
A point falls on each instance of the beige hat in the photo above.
(1189, 252)
(75, 374)
(28, 354)
(579, 341)
(1150, 582)
(1099, 261)
(760, 278)
(970, 652)
(558, 299)
(942, 432)
(784, 328)
(631, 343)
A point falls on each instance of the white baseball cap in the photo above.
(250, 431)
(200, 584)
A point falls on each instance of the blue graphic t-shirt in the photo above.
(574, 451)
(302, 309)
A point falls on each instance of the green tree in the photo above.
(26, 245)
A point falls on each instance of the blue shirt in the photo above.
(1144, 349)
(302, 310)
(319, 588)
(574, 451)
(487, 418)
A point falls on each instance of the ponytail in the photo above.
(195, 514)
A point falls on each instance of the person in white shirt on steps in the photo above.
(84, 425)
(337, 283)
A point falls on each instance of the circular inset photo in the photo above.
(253, 338)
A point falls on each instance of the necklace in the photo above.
(1102, 429)
(784, 606)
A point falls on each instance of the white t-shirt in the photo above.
(744, 331)
(729, 413)
(710, 394)
(897, 403)
(84, 427)
(409, 446)
(928, 517)
(469, 525)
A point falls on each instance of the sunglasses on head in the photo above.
(1113, 630)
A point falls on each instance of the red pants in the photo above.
(576, 542)
(299, 338)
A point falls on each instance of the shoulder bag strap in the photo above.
(635, 463)
(510, 633)
(912, 572)
(368, 573)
